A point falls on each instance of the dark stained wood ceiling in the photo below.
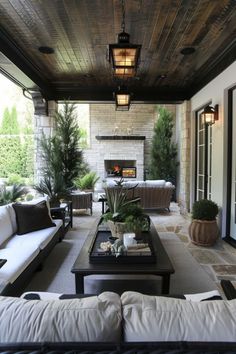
(80, 31)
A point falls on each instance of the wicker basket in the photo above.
(203, 232)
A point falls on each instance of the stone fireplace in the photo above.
(121, 152)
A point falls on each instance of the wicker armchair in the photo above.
(82, 201)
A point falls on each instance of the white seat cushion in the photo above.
(92, 319)
(6, 229)
(155, 318)
(37, 239)
(17, 261)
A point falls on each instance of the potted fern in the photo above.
(203, 229)
(87, 182)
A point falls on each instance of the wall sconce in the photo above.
(210, 114)
(124, 55)
(122, 99)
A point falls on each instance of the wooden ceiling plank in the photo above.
(80, 31)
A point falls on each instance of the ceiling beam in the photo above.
(105, 95)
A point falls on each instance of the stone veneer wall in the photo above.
(105, 120)
(185, 155)
(43, 123)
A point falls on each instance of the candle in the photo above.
(128, 239)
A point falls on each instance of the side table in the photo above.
(63, 212)
(102, 199)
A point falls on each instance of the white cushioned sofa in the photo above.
(153, 194)
(108, 323)
(23, 252)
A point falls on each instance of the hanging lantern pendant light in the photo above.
(122, 98)
(124, 56)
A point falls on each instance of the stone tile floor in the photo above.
(219, 261)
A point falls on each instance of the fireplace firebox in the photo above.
(120, 168)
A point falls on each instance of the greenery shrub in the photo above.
(88, 181)
(29, 197)
(10, 157)
(27, 156)
(10, 123)
(15, 179)
(12, 194)
(204, 210)
(16, 156)
(54, 188)
(163, 163)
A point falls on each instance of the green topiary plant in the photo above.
(204, 210)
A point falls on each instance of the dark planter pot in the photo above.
(54, 203)
(203, 232)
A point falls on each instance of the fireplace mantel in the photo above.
(120, 137)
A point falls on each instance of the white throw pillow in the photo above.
(110, 183)
(92, 319)
(155, 183)
(12, 215)
(130, 184)
(6, 229)
(155, 318)
(168, 184)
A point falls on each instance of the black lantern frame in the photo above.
(122, 99)
(123, 55)
(210, 114)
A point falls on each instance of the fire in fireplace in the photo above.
(120, 168)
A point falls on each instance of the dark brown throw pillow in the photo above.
(30, 217)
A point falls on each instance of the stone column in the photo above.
(43, 123)
(185, 153)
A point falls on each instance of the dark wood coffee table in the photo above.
(162, 267)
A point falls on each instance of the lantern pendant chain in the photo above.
(123, 16)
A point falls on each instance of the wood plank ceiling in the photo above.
(79, 31)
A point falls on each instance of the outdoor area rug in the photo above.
(56, 274)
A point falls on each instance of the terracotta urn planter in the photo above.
(117, 229)
(203, 232)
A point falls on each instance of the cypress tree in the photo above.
(10, 124)
(163, 150)
(61, 153)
